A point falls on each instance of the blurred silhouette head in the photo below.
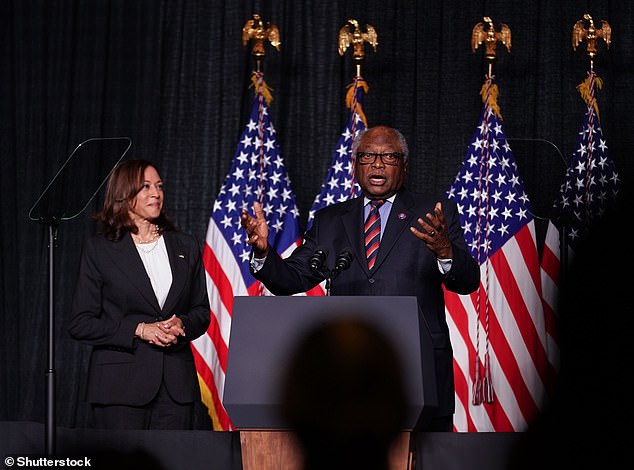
(344, 395)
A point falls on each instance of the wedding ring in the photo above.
(432, 233)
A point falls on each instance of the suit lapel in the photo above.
(353, 224)
(178, 263)
(400, 218)
(127, 259)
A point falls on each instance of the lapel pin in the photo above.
(181, 256)
(401, 215)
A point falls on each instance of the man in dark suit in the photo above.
(421, 249)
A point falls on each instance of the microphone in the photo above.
(343, 261)
(318, 258)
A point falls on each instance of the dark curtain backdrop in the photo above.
(173, 76)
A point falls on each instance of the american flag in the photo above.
(257, 173)
(498, 333)
(340, 184)
(590, 185)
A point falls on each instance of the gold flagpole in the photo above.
(591, 34)
(490, 37)
(254, 29)
(351, 33)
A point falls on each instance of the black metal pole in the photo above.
(51, 208)
(50, 369)
(563, 255)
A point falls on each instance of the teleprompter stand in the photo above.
(67, 195)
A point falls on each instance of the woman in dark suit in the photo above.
(140, 299)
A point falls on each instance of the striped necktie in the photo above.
(372, 231)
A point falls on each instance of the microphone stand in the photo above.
(342, 263)
(328, 275)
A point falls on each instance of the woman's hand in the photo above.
(162, 333)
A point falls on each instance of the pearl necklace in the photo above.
(150, 244)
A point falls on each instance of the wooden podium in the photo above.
(275, 450)
(265, 331)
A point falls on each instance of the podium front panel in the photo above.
(266, 330)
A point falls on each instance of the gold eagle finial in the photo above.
(353, 35)
(591, 34)
(255, 29)
(490, 37)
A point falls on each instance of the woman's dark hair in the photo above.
(123, 185)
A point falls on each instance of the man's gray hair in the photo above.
(401, 139)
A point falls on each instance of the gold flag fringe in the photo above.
(350, 96)
(489, 93)
(585, 88)
(265, 89)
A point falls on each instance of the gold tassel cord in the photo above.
(489, 93)
(265, 89)
(585, 88)
(350, 96)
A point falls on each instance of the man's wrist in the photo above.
(260, 254)
(256, 263)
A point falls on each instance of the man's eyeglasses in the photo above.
(388, 158)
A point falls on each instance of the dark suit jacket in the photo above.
(113, 294)
(404, 266)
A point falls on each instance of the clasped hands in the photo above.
(161, 333)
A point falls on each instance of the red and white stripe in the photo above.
(224, 282)
(551, 283)
(517, 340)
